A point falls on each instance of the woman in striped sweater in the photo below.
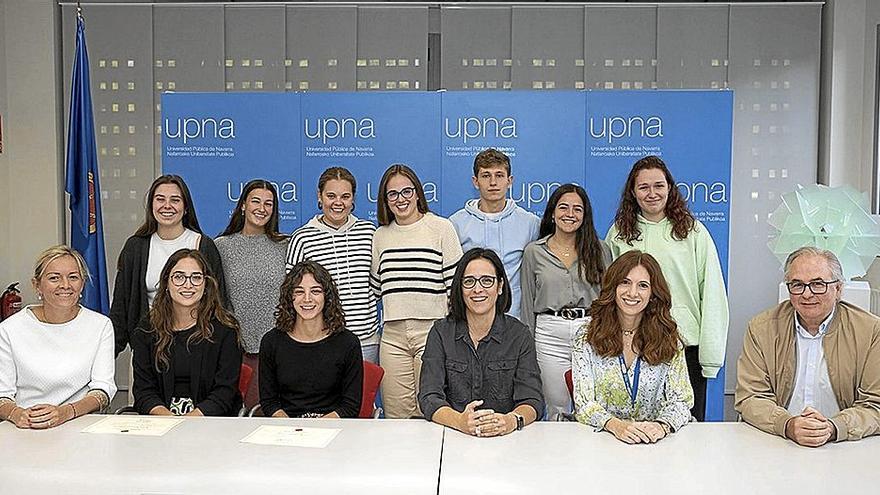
(342, 243)
(414, 257)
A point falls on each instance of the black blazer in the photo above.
(129, 303)
(214, 371)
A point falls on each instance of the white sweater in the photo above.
(43, 363)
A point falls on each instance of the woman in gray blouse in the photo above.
(253, 252)
(561, 275)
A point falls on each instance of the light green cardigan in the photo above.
(693, 272)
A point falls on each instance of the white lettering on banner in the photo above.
(332, 128)
(617, 127)
(694, 192)
(474, 127)
(430, 192)
(286, 191)
(532, 193)
(190, 128)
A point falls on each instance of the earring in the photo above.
(352, 206)
(320, 205)
(39, 296)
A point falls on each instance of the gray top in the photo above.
(547, 285)
(254, 269)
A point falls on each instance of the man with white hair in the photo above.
(810, 366)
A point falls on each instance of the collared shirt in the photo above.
(502, 370)
(547, 285)
(812, 386)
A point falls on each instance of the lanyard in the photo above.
(633, 388)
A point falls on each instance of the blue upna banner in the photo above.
(219, 141)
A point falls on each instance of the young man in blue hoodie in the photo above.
(494, 221)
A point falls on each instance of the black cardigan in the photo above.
(129, 304)
(214, 372)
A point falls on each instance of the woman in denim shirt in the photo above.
(479, 371)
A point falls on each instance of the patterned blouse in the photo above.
(600, 393)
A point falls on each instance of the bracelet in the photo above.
(74, 410)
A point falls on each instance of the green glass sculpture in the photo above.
(832, 218)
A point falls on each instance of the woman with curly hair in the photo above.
(187, 354)
(310, 365)
(629, 372)
(653, 217)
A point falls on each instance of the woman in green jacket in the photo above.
(653, 217)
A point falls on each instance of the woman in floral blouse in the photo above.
(629, 371)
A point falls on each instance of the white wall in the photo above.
(31, 178)
(849, 51)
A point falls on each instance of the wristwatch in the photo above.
(520, 421)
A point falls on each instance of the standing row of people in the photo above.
(556, 265)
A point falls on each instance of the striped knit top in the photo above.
(413, 266)
(346, 254)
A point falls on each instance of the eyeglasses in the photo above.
(406, 193)
(486, 281)
(817, 287)
(195, 278)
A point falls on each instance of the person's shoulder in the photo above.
(135, 242)
(459, 216)
(93, 318)
(772, 315)
(347, 338)
(515, 327)
(363, 224)
(858, 318)
(19, 320)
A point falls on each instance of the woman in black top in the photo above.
(479, 371)
(310, 365)
(187, 354)
(170, 223)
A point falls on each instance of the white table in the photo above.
(703, 458)
(205, 455)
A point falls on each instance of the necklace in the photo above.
(629, 333)
(563, 251)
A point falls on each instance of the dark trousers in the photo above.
(698, 383)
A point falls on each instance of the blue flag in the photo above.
(86, 226)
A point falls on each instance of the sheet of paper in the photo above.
(149, 426)
(292, 436)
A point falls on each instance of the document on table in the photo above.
(292, 436)
(134, 425)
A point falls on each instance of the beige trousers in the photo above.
(400, 354)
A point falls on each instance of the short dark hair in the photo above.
(457, 308)
(489, 158)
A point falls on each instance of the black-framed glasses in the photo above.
(195, 278)
(406, 193)
(817, 287)
(486, 282)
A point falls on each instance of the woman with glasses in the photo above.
(252, 251)
(414, 257)
(311, 365)
(186, 354)
(629, 372)
(56, 357)
(561, 275)
(654, 218)
(478, 347)
(170, 224)
(342, 243)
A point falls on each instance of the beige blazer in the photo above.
(767, 366)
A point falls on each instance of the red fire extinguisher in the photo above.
(10, 301)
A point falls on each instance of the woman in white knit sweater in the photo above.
(414, 258)
(56, 358)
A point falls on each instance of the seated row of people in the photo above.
(480, 373)
(555, 265)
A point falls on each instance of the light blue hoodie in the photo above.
(506, 232)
